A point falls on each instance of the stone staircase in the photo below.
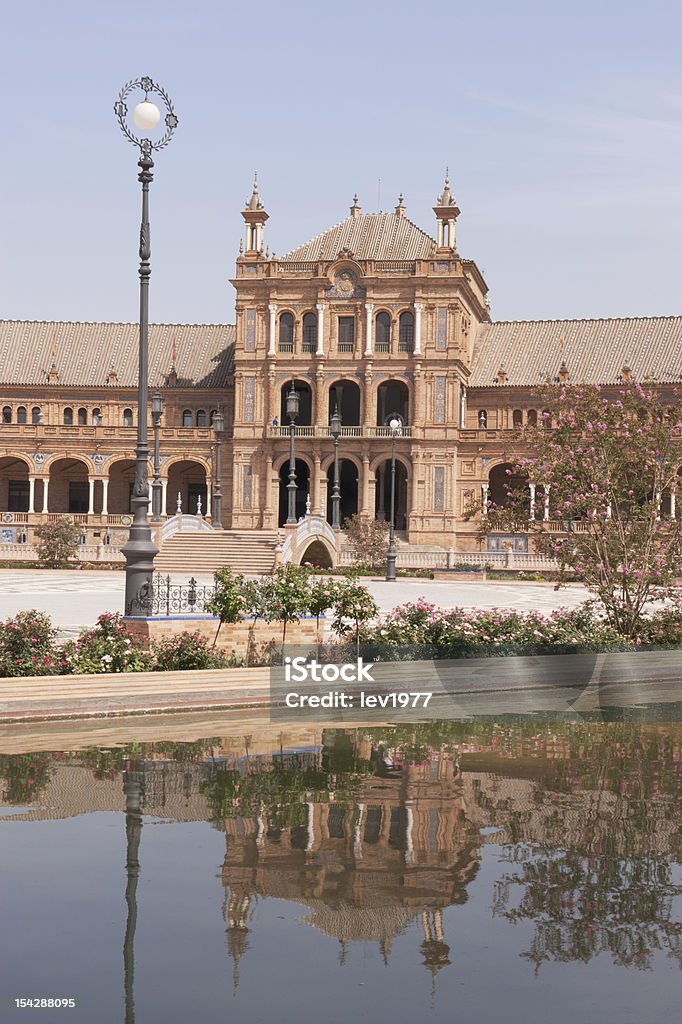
(251, 552)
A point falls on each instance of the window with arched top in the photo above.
(96, 417)
(36, 416)
(68, 417)
(309, 332)
(201, 417)
(546, 419)
(6, 414)
(127, 417)
(482, 419)
(382, 328)
(82, 417)
(406, 331)
(21, 414)
(286, 332)
(517, 418)
(214, 413)
(532, 418)
(187, 420)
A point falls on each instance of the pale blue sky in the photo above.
(561, 124)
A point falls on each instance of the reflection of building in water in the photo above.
(401, 850)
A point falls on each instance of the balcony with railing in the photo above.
(346, 432)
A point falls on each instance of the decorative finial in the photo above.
(400, 208)
(241, 246)
(355, 208)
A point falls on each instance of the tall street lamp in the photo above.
(140, 551)
(157, 413)
(395, 425)
(335, 431)
(218, 426)
(292, 413)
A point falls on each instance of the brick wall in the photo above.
(248, 639)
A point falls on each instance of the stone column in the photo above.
(105, 495)
(531, 488)
(546, 512)
(272, 309)
(315, 489)
(91, 495)
(207, 510)
(484, 499)
(31, 493)
(369, 308)
(164, 496)
(673, 493)
(418, 328)
(320, 329)
(46, 487)
(364, 501)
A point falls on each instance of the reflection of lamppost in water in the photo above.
(140, 550)
(132, 787)
(335, 431)
(157, 413)
(395, 425)
(292, 413)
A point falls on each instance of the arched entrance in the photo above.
(305, 404)
(188, 478)
(502, 480)
(317, 554)
(120, 489)
(383, 494)
(14, 486)
(392, 397)
(302, 489)
(68, 488)
(345, 394)
(348, 480)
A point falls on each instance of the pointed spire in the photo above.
(446, 197)
(255, 202)
(355, 208)
(400, 208)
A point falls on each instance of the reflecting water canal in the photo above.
(452, 871)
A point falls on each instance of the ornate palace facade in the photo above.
(374, 318)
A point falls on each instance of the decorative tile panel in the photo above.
(441, 328)
(249, 399)
(250, 335)
(439, 399)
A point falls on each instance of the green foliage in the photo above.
(27, 646)
(354, 606)
(609, 457)
(231, 599)
(107, 647)
(57, 542)
(285, 595)
(367, 541)
(456, 632)
(188, 651)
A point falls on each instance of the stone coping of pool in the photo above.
(468, 686)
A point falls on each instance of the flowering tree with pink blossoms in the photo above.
(611, 459)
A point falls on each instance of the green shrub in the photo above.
(57, 542)
(188, 651)
(27, 646)
(108, 647)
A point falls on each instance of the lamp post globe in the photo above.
(293, 405)
(394, 422)
(146, 117)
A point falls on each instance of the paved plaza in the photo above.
(74, 599)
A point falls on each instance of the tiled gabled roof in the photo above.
(595, 351)
(85, 353)
(369, 236)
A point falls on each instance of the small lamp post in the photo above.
(335, 431)
(140, 550)
(395, 425)
(218, 426)
(157, 413)
(292, 413)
